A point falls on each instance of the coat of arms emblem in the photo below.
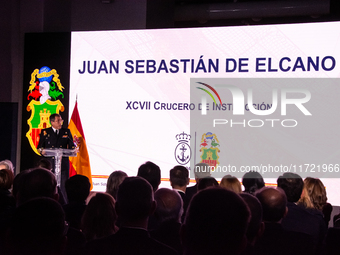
(44, 90)
(209, 144)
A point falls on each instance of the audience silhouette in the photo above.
(38, 227)
(298, 218)
(179, 179)
(135, 203)
(207, 182)
(150, 172)
(77, 189)
(201, 170)
(7, 204)
(276, 240)
(7, 164)
(314, 198)
(168, 216)
(38, 182)
(113, 182)
(134, 216)
(252, 181)
(256, 225)
(231, 183)
(216, 223)
(99, 218)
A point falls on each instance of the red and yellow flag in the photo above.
(81, 163)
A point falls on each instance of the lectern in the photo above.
(58, 153)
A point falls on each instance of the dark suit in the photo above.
(332, 244)
(185, 203)
(191, 191)
(49, 140)
(301, 220)
(168, 233)
(73, 213)
(128, 241)
(277, 241)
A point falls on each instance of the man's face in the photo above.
(57, 123)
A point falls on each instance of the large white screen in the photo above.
(119, 99)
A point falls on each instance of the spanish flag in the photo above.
(81, 163)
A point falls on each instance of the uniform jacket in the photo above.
(48, 139)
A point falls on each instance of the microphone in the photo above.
(75, 145)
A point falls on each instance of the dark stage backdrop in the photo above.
(45, 88)
(9, 128)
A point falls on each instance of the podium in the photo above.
(58, 154)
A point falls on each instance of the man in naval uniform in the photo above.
(57, 137)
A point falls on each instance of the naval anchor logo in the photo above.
(183, 151)
(209, 144)
(45, 89)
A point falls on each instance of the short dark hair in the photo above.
(52, 116)
(38, 182)
(45, 163)
(179, 176)
(18, 179)
(77, 188)
(134, 199)
(150, 172)
(206, 182)
(292, 184)
(215, 223)
(252, 181)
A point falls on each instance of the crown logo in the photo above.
(183, 137)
